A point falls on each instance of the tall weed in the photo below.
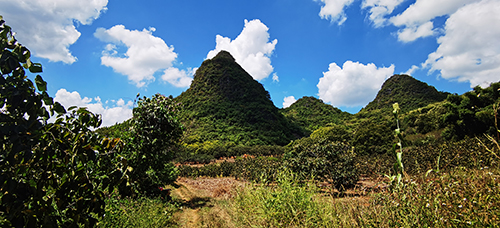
(286, 204)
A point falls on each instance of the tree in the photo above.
(51, 173)
(155, 134)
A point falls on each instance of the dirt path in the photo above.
(199, 194)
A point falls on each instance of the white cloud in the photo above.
(287, 101)
(354, 84)
(145, 55)
(276, 78)
(412, 33)
(178, 78)
(334, 10)
(251, 49)
(411, 70)
(469, 50)
(417, 18)
(47, 27)
(120, 112)
(379, 9)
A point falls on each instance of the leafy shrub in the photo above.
(372, 137)
(336, 133)
(51, 173)
(323, 159)
(155, 135)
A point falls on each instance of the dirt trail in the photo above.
(200, 193)
(189, 216)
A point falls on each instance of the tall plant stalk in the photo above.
(398, 166)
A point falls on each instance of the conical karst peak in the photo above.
(224, 55)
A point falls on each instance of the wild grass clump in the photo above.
(141, 212)
(286, 204)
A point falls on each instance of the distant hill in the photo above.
(225, 103)
(409, 92)
(311, 113)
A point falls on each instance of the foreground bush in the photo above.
(51, 173)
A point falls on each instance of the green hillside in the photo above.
(311, 113)
(409, 92)
(225, 103)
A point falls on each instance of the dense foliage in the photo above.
(311, 113)
(408, 92)
(52, 173)
(323, 159)
(153, 141)
(225, 103)
(458, 116)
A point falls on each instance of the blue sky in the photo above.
(100, 54)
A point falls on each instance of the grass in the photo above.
(459, 198)
(142, 212)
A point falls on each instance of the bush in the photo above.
(155, 135)
(323, 159)
(373, 138)
(52, 174)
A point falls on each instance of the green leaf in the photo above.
(59, 108)
(47, 100)
(35, 68)
(40, 83)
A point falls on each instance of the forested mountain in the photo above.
(225, 103)
(409, 92)
(311, 113)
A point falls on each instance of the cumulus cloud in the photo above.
(379, 9)
(145, 55)
(251, 49)
(411, 70)
(287, 101)
(412, 33)
(47, 27)
(416, 20)
(178, 78)
(354, 84)
(333, 10)
(118, 113)
(469, 50)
